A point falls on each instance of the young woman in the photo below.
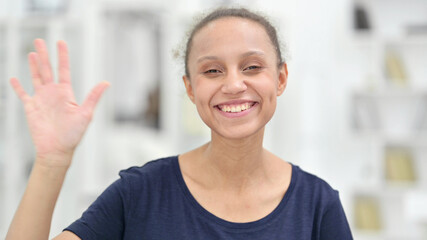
(229, 188)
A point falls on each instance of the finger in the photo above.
(19, 90)
(63, 63)
(43, 65)
(94, 96)
(35, 74)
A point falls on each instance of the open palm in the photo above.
(56, 122)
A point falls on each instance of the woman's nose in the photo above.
(233, 84)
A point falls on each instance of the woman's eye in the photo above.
(254, 67)
(212, 71)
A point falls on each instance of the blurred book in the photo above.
(361, 19)
(395, 70)
(399, 165)
(367, 213)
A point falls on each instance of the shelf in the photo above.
(391, 92)
(391, 113)
(366, 38)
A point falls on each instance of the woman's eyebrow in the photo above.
(246, 54)
(204, 58)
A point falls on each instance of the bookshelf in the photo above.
(389, 109)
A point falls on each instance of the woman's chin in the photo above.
(239, 132)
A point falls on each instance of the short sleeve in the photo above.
(334, 224)
(104, 219)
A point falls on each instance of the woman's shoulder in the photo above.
(152, 169)
(311, 186)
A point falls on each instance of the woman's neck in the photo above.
(235, 163)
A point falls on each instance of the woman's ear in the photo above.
(283, 79)
(188, 87)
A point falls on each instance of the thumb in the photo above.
(92, 99)
(19, 90)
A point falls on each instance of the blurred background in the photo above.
(354, 111)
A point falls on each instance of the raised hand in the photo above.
(56, 122)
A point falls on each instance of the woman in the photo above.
(229, 188)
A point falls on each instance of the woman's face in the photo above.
(235, 78)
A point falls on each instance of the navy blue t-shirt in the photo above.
(153, 202)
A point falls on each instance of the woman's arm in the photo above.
(57, 124)
(33, 218)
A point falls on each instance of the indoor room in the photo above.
(353, 113)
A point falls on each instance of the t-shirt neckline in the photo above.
(251, 226)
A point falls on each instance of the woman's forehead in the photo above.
(231, 34)
(231, 27)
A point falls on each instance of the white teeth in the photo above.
(245, 106)
(236, 108)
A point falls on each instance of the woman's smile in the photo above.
(236, 108)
